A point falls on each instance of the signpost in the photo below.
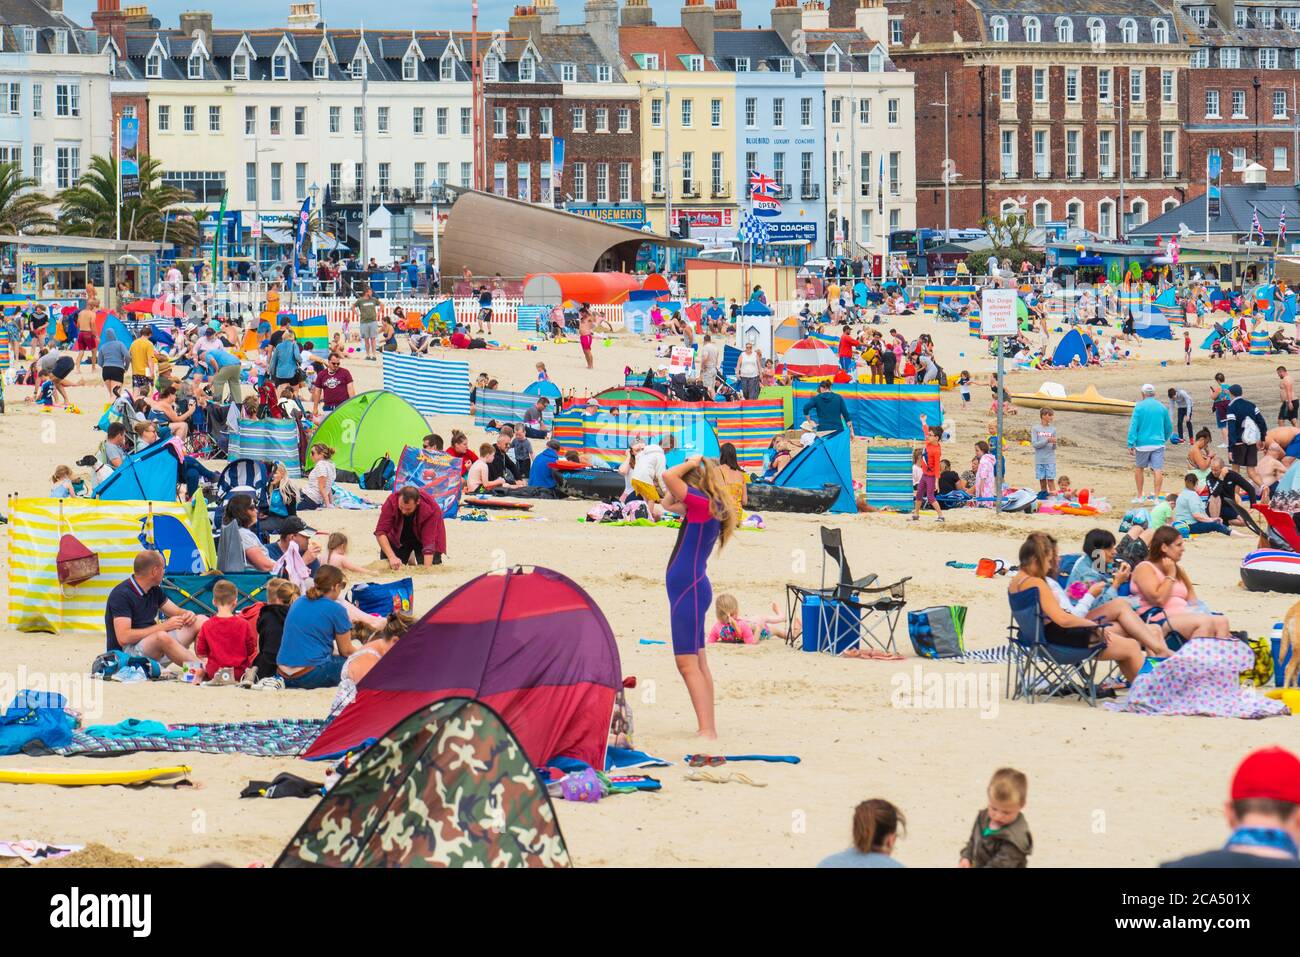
(681, 360)
(998, 319)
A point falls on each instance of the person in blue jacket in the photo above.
(828, 410)
(1149, 431)
(286, 360)
(539, 475)
(1243, 441)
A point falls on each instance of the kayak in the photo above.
(602, 485)
(1089, 400)
(71, 778)
(764, 497)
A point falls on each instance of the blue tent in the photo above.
(1150, 323)
(1220, 332)
(1073, 345)
(825, 462)
(543, 387)
(150, 475)
(118, 328)
(755, 308)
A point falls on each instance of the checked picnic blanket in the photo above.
(278, 738)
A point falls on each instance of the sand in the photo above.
(1105, 789)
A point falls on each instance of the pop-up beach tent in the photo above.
(447, 786)
(826, 462)
(148, 475)
(1073, 345)
(530, 643)
(1150, 323)
(369, 426)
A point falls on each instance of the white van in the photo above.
(720, 254)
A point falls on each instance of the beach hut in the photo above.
(529, 643)
(150, 475)
(448, 785)
(826, 462)
(812, 359)
(369, 426)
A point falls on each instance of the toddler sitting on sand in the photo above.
(731, 628)
(1000, 836)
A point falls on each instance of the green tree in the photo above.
(1009, 234)
(21, 210)
(90, 207)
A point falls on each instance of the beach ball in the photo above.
(1084, 495)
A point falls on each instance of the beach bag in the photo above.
(1249, 432)
(383, 599)
(1261, 672)
(75, 562)
(381, 475)
(938, 632)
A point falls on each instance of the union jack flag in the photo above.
(1281, 229)
(761, 183)
(1255, 227)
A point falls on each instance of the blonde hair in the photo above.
(225, 593)
(273, 589)
(726, 606)
(325, 451)
(1009, 785)
(286, 593)
(398, 624)
(707, 477)
(327, 578)
(61, 473)
(336, 540)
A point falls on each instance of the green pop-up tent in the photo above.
(368, 426)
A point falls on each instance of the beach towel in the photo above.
(279, 737)
(433, 386)
(615, 759)
(1202, 678)
(292, 566)
(767, 758)
(138, 728)
(889, 477)
(350, 500)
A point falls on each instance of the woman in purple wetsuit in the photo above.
(697, 491)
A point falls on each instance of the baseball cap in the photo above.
(1148, 389)
(293, 525)
(1269, 773)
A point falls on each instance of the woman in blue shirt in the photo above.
(315, 625)
(286, 360)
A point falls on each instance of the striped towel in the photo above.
(433, 386)
(501, 406)
(280, 737)
(889, 477)
(267, 440)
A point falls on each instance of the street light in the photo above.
(947, 161)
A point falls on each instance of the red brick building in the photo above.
(1070, 115)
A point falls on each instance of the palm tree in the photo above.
(20, 209)
(90, 207)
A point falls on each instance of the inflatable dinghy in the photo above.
(762, 497)
(1023, 500)
(602, 485)
(1271, 570)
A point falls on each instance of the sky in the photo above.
(422, 14)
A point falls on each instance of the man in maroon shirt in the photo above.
(410, 530)
(333, 386)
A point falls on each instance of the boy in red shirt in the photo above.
(930, 464)
(847, 344)
(226, 640)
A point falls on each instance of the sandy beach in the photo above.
(1104, 789)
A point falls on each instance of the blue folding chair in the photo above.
(1042, 668)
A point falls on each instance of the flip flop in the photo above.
(705, 760)
(735, 777)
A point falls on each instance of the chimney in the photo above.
(815, 15)
(195, 21)
(550, 14)
(526, 24)
(787, 18)
(54, 6)
(842, 13)
(303, 16)
(726, 15)
(602, 26)
(637, 13)
(109, 21)
(872, 18)
(697, 20)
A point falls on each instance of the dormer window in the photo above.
(875, 62)
(1160, 30)
(320, 67)
(1096, 30)
(29, 40)
(280, 67)
(742, 64)
(695, 63)
(998, 28)
(60, 41)
(491, 69)
(1128, 31)
(568, 73)
(447, 67)
(602, 73)
(195, 67)
(358, 68)
(1239, 16)
(833, 62)
(409, 66)
(153, 66)
(785, 64)
(239, 67)
(1032, 30)
(1064, 30)
(1264, 19)
(527, 70)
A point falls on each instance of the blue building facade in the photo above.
(781, 133)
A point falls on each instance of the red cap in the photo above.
(1271, 773)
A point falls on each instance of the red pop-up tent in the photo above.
(530, 643)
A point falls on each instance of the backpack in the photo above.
(381, 475)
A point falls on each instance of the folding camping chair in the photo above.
(194, 592)
(851, 611)
(1041, 668)
(244, 474)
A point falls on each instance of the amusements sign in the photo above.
(998, 312)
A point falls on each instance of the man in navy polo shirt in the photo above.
(131, 616)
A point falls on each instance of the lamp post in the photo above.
(258, 150)
(1255, 83)
(947, 161)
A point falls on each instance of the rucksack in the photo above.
(381, 475)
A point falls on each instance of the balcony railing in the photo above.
(810, 191)
(721, 189)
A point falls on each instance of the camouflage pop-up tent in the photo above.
(447, 787)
